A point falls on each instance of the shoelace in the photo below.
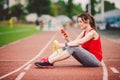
(44, 60)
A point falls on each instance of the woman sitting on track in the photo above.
(86, 48)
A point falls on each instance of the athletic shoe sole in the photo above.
(47, 67)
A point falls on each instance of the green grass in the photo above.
(19, 31)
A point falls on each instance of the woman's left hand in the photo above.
(60, 45)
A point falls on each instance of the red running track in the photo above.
(17, 60)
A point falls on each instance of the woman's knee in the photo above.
(71, 49)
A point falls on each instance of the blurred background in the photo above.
(33, 16)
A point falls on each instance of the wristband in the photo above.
(66, 44)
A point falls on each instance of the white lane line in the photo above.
(105, 72)
(42, 50)
(114, 70)
(28, 67)
(19, 77)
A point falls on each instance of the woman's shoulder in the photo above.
(93, 31)
(95, 34)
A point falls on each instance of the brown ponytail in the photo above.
(85, 16)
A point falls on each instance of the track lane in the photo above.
(33, 39)
(70, 69)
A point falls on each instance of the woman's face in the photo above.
(82, 24)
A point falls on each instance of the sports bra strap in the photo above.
(85, 32)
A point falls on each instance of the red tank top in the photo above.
(93, 46)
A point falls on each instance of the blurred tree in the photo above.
(108, 6)
(54, 10)
(86, 8)
(4, 9)
(64, 8)
(77, 9)
(39, 6)
(94, 3)
(59, 8)
(70, 8)
(17, 10)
